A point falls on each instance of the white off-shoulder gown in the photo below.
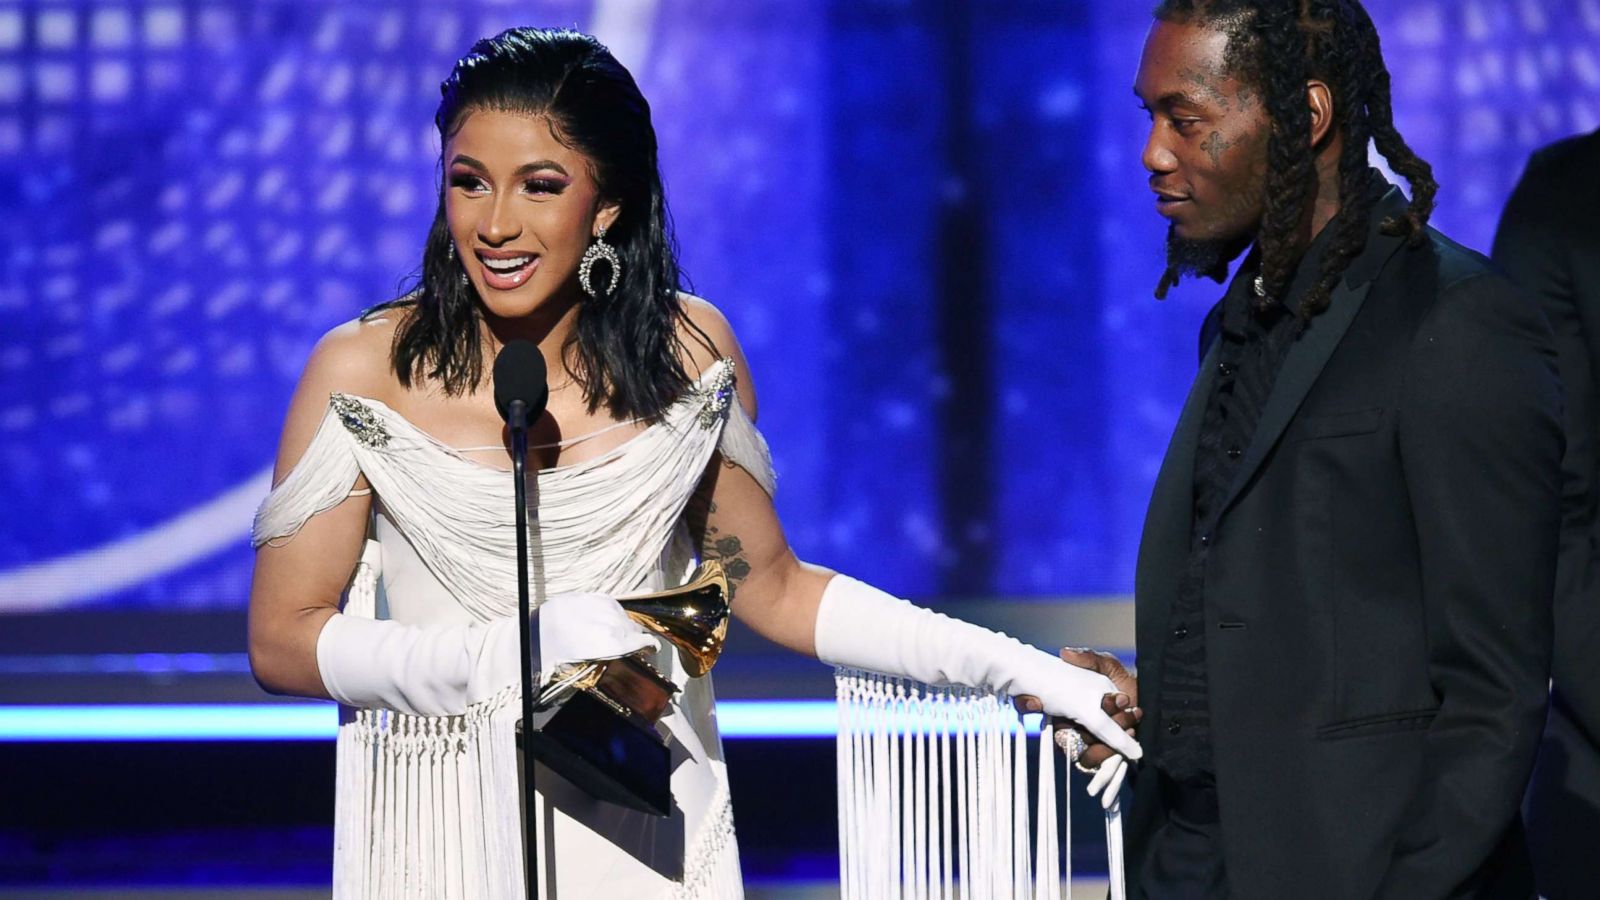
(428, 805)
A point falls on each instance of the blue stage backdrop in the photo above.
(927, 221)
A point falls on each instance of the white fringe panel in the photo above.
(712, 865)
(411, 789)
(427, 806)
(935, 796)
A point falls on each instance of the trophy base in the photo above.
(616, 758)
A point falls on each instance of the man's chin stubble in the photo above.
(1203, 257)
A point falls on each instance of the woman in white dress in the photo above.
(552, 228)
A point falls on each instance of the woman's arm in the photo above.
(733, 520)
(774, 593)
(845, 622)
(298, 581)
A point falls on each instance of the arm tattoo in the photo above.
(714, 544)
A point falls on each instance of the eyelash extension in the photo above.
(535, 185)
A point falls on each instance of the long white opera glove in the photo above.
(862, 627)
(438, 670)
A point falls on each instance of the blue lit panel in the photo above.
(736, 719)
(320, 721)
(241, 722)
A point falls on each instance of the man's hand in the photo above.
(1122, 707)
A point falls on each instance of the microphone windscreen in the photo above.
(519, 374)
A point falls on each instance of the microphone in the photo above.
(519, 374)
(521, 391)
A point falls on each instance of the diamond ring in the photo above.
(1071, 743)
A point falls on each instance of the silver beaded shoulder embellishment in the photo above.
(359, 419)
(716, 394)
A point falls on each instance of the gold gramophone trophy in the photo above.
(594, 723)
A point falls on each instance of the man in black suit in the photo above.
(1344, 583)
(1549, 242)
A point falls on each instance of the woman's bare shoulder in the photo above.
(705, 334)
(706, 337)
(351, 358)
(354, 357)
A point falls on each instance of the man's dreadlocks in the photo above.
(1277, 46)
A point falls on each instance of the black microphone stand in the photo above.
(518, 422)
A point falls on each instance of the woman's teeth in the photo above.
(506, 274)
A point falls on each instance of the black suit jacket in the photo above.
(1377, 591)
(1549, 242)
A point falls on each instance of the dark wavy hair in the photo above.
(624, 351)
(1276, 46)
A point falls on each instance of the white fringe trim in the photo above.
(426, 806)
(711, 867)
(934, 795)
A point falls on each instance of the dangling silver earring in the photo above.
(599, 250)
(461, 271)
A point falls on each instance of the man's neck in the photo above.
(1325, 203)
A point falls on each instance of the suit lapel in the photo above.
(1310, 354)
(1301, 367)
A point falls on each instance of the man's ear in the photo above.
(1320, 97)
(606, 216)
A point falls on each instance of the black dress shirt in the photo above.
(1254, 343)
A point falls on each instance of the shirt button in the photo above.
(1235, 452)
(1180, 632)
(1174, 727)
